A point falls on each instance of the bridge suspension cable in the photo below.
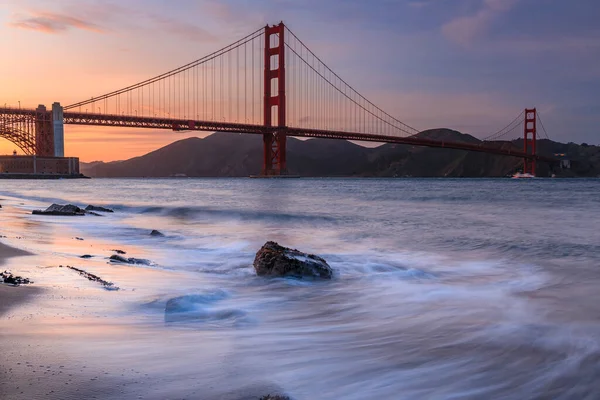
(318, 98)
(515, 124)
(225, 85)
(542, 125)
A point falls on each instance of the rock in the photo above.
(119, 251)
(183, 304)
(156, 233)
(10, 279)
(58, 209)
(78, 238)
(86, 256)
(98, 208)
(94, 278)
(202, 308)
(118, 258)
(93, 213)
(275, 260)
(121, 259)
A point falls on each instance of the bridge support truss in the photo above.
(529, 140)
(36, 132)
(274, 144)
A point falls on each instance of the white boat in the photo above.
(520, 175)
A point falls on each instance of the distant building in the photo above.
(564, 161)
(34, 165)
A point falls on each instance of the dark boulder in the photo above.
(121, 259)
(86, 256)
(156, 233)
(119, 251)
(98, 208)
(118, 258)
(11, 279)
(58, 209)
(275, 260)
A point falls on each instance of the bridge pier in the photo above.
(58, 130)
(49, 131)
(274, 143)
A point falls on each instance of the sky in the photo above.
(470, 65)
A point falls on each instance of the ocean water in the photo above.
(443, 288)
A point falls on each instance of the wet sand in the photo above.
(10, 295)
(34, 366)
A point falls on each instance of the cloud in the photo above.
(47, 22)
(464, 30)
(68, 15)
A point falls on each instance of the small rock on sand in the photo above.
(7, 277)
(94, 278)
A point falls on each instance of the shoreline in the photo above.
(41, 176)
(11, 296)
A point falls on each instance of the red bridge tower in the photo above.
(529, 140)
(274, 162)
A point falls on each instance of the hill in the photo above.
(239, 155)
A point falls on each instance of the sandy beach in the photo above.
(56, 333)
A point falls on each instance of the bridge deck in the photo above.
(78, 118)
(92, 119)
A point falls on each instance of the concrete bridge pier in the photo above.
(58, 130)
(49, 131)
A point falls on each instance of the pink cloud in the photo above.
(47, 22)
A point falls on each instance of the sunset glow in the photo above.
(427, 63)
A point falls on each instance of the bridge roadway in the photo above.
(125, 121)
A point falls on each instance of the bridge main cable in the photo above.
(347, 92)
(256, 34)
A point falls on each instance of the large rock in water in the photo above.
(58, 209)
(275, 260)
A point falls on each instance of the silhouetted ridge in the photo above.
(240, 155)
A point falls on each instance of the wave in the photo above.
(224, 213)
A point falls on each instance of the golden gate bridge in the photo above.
(268, 83)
